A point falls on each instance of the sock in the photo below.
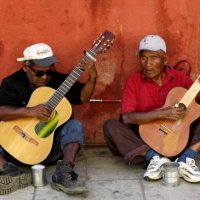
(188, 153)
(150, 154)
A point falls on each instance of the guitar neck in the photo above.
(191, 93)
(68, 82)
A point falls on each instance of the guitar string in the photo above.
(62, 90)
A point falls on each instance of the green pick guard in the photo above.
(44, 129)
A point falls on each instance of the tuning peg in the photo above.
(104, 51)
(84, 52)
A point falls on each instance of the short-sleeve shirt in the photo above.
(15, 89)
(142, 95)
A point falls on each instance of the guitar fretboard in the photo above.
(191, 93)
(68, 82)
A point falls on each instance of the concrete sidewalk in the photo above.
(108, 178)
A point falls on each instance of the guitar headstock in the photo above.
(103, 42)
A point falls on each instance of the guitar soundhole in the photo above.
(44, 129)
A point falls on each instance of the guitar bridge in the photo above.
(165, 130)
(25, 136)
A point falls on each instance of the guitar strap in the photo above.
(183, 65)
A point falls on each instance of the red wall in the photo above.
(69, 27)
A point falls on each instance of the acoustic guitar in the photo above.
(169, 137)
(30, 140)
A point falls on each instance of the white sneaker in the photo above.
(153, 171)
(189, 171)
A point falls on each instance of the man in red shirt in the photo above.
(143, 97)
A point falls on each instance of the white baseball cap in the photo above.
(41, 54)
(152, 43)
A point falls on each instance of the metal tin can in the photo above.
(39, 175)
(170, 174)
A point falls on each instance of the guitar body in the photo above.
(40, 134)
(169, 137)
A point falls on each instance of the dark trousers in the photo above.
(124, 140)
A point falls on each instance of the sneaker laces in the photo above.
(153, 163)
(191, 163)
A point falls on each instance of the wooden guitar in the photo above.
(30, 140)
(169, 137)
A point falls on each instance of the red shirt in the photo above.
(140, 94)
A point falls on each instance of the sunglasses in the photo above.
(42, 73)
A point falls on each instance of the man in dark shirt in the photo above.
(15, 92)
(143, 97)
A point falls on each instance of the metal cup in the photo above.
(38, 175)
(170, 173)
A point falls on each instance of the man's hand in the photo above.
(42, 112)
(175, 112)
(89, 67)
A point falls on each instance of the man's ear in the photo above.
(165, 59)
